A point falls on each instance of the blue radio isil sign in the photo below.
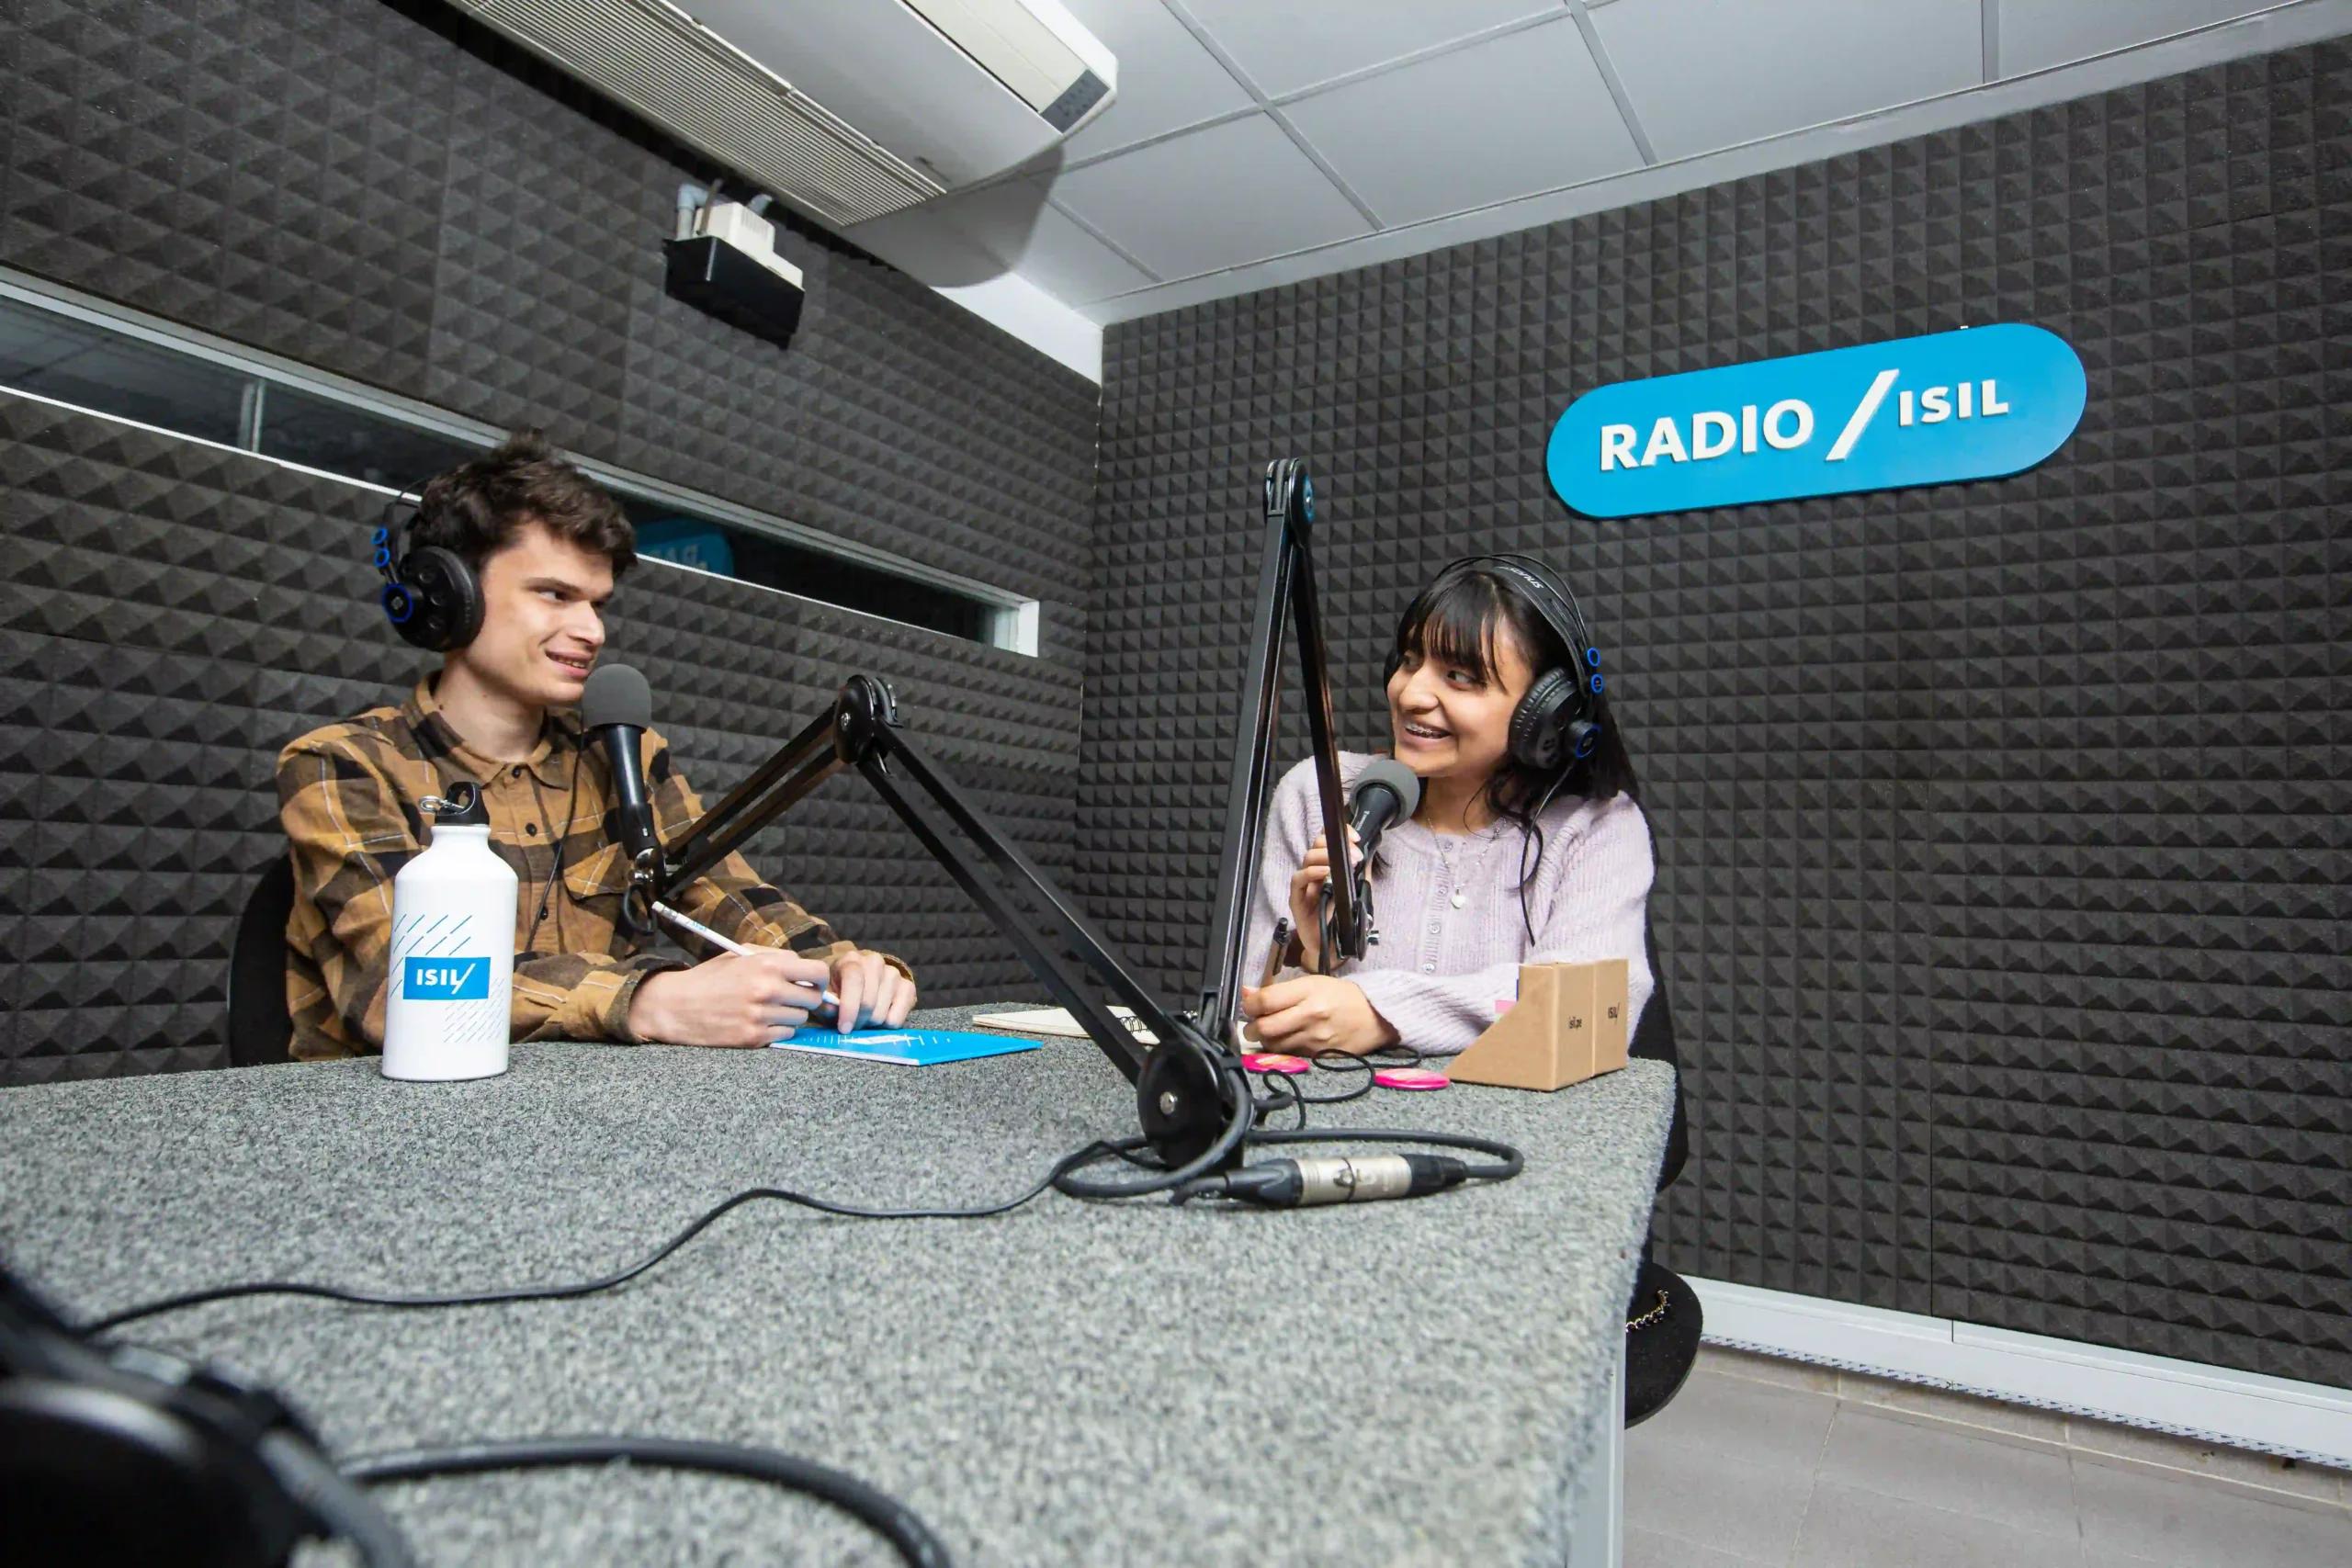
(1918, 411)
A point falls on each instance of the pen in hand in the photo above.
(1274, 951)
(1244, 1040)
(695, 928)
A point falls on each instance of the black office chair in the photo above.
(1663, 1321)
(261, 1031)
(1654, 1040)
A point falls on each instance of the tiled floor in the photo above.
(1745, 1473)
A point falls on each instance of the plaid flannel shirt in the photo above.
(347, 794)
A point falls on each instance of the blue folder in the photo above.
(905, 1047)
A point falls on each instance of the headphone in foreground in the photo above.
(117, 1453)
(431, 594)
(1558, 721)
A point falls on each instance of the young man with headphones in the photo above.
(1528, 845)
(505, 568)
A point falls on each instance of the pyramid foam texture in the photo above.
(382, 189)
(170, 613)
(2004, 835)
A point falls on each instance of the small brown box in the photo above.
(1568, 1025)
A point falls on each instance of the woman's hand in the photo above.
(1315, 1013)
(1306, 898)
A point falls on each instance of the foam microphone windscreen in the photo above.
(616, 693)
(1387, 773)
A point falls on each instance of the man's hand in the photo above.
(867, 986)
(1315, 1013)
(740, 999)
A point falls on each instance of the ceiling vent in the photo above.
(847, 108)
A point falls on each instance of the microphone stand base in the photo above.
(1184, 1104)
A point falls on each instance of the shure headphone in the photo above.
(431, 595)
(1556, 722)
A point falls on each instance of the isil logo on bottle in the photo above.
(442, 980)
(1960, 405)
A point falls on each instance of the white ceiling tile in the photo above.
(1426, 140)
(2037, 33)
(1707, 73)
(1167, 80)
(1212, 198)
(1296, 44)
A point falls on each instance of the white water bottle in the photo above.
(449, 990)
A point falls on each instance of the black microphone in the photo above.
(1384, 793)
(616, 707)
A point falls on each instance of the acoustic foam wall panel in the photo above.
(384, 189)
(172, 614)
(2004, 850)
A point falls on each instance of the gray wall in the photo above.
(386, 192)
(2002, 903)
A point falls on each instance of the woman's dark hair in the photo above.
(476, 507)
(1459, 621)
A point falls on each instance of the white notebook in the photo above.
(1057, 1021)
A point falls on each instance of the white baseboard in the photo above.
(2301, 1420)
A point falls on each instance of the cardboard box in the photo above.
(1569, 1025)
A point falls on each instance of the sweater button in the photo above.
(1457, 900)
(1429, 968)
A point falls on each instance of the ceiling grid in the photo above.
(1254, 145)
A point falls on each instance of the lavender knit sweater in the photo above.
(1452, 937)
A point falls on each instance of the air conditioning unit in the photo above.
(847, 109)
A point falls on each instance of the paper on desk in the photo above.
(1057, 1021)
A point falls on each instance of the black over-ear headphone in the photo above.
(1558, 721)
(118, 1454)
(431, 595)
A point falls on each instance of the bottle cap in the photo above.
(461, 808)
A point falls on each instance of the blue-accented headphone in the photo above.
(1558, 721)
(431, 595)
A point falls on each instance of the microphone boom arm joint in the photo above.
(1188, 1087)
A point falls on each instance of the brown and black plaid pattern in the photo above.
(347, 794)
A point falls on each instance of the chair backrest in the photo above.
(1654, 1040)
(260, 1029)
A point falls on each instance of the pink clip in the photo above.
(1274, 1062)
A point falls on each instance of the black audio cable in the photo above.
(1196, 1179)
(891, 1519)
(335, 1499)
(1063, 1177)
(1286, 1093)
(567, 1291)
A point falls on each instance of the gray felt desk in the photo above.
(1414, 1382)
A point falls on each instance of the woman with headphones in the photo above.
(1527, 846)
